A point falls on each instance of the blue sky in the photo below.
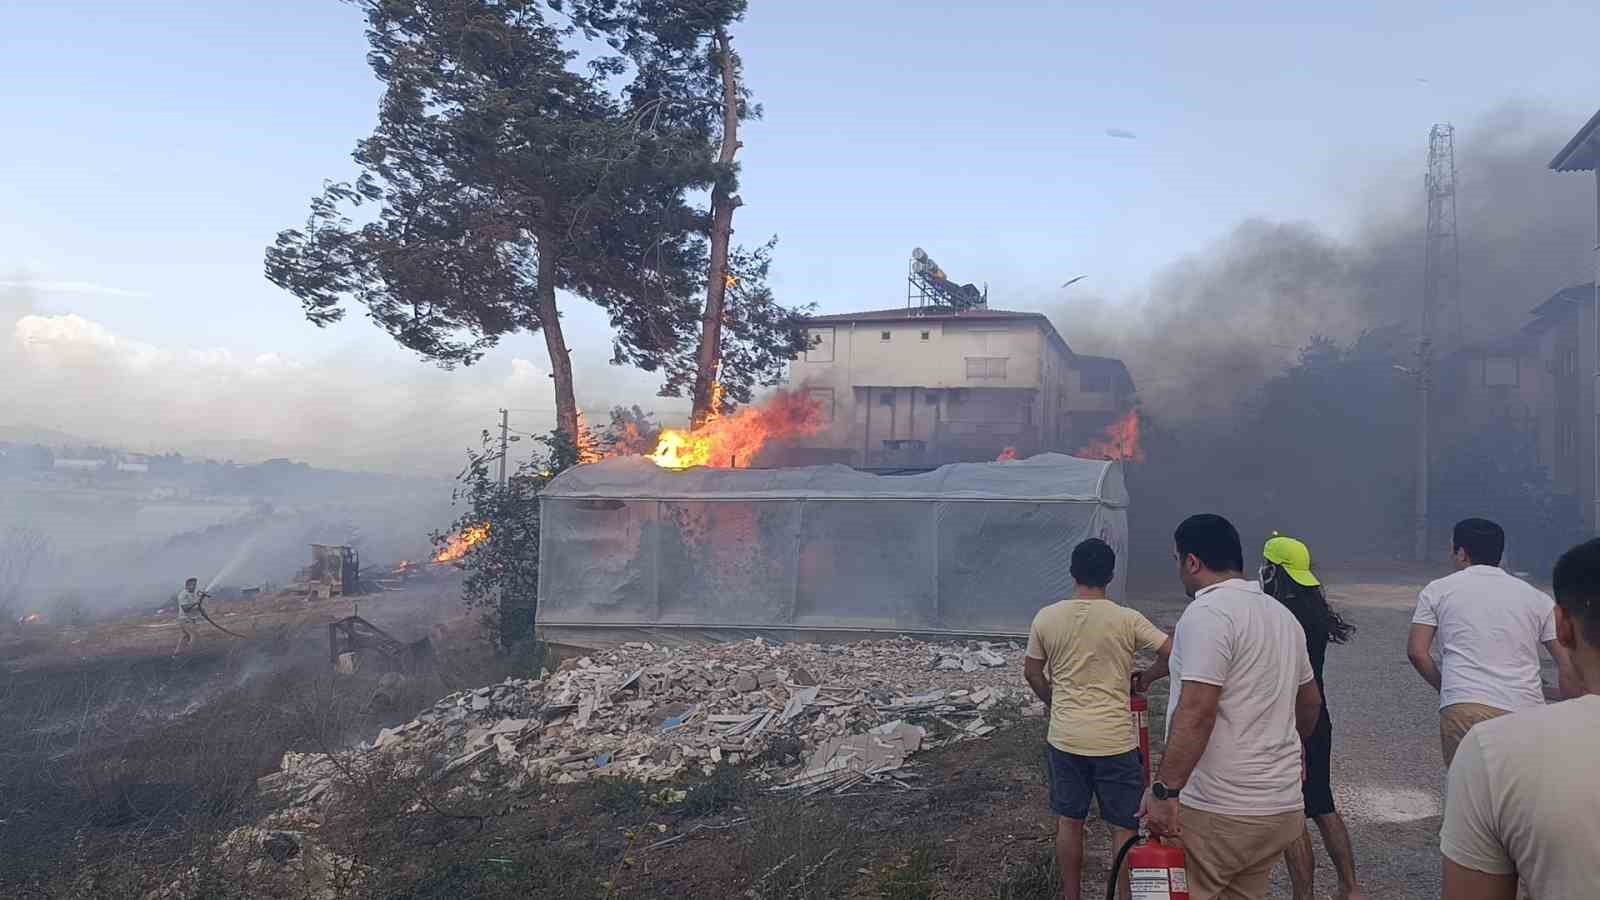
(150, 151)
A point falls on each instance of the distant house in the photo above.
(80, 465)
(931, 384)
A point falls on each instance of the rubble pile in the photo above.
(848, 711)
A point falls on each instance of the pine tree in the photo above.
(501, 174)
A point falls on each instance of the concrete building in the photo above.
(1582, 154)
(1538, 381)
(926, 385)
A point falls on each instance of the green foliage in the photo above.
(759, 334)
(500, 171)
(502, 572)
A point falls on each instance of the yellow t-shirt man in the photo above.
(1088, 647)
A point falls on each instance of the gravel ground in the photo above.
(1388, 777)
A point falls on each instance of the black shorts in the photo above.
(1117, 782)
(1318, 788)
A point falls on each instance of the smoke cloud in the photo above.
(1214, 327)
(73, 377)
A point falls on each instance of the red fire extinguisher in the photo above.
(1141, 721)
(1140, 708)
(1156, 871)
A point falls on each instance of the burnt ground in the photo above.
(119, 770)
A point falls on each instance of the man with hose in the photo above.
(189, 612)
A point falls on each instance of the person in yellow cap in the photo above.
(1286, 575)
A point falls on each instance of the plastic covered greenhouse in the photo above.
(968, 548)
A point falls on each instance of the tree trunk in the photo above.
(555, 342)
(723, 203)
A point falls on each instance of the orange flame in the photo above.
(459, 544)
(1009, 454)
(1120, 441)
(735, 439)
(588, 450)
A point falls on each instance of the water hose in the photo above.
(1116, 867)
(207, 616)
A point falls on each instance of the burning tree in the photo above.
(688, 77)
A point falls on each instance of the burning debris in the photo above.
(1120, 441)
(457, 545)
(652, 713)
(730, 440)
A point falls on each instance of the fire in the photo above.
(729, 440)
(459, 544)
(588, 449)
(1009, 454)
(1120, 441)
(31, 618)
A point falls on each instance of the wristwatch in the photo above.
(1162, 792)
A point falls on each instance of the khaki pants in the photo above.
(1456, 720)
(1231, 857)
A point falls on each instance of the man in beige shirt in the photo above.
(1080, 657)
(1524, 798)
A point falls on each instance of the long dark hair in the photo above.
(1309, 605)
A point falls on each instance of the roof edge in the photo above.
(1563, 161)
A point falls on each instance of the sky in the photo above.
(150, 152)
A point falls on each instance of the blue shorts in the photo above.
(1117, 782)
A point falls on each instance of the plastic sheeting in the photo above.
(971, 548)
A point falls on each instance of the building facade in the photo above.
(1582, 154)
(930, 385)
(1539, 381)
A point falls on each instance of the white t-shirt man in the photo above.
(1237, 637)
(1523, 798)
(1490, 625)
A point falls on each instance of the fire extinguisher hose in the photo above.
(1116, 867)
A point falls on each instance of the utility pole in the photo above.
(505, 428)
(1441, 289)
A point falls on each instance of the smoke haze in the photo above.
(1212, 328)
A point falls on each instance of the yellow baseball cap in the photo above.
(1293, 556)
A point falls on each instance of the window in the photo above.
(1569, 362)
(823, 397)
(986, 367)
(820, 342)
(990, 343)
(926, 335)
(1499, 371)
(1095, 383)
(886, 399)
(883, 335)
(1566, 440)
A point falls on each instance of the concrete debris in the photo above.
(852, 712)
